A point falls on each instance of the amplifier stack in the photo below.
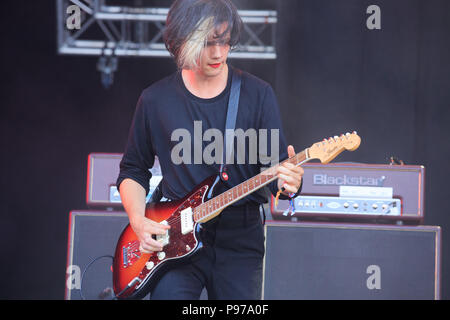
(354, 233)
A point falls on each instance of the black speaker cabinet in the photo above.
(350, 261)
(92, 240)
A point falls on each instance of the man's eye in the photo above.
(217, 42)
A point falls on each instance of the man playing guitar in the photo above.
(199, 34)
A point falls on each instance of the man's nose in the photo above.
(216, 51)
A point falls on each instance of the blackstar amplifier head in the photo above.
(384, 193)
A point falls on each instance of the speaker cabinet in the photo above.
(350, 261)
(92, 240)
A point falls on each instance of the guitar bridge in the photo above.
(130, 253)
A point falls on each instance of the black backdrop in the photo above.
(332, 75)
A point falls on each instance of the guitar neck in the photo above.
(211, 208)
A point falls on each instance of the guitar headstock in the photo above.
(328, 149)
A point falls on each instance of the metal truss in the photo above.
(130, 31)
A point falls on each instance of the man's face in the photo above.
(214, 56)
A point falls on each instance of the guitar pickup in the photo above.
(163, 238)
(187, 221)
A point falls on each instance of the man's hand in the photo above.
(133, 199)
(145, 229)
(289, 175)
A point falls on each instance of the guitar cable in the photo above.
(86, 268)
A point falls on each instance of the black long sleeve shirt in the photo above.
(167, 105)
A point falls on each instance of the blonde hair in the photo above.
(191, 50)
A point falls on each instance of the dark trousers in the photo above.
(229, 265)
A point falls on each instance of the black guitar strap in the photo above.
(230, 124)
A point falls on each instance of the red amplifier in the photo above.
(376, 192)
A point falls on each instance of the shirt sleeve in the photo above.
(139, 156)
(271, 120)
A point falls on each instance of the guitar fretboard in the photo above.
(212, 207)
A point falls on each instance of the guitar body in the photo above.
(134, 272)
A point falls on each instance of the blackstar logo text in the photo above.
(324, 179)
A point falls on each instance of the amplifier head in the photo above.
(103, 170)
(358, 191)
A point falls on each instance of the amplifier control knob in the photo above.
(375, 206)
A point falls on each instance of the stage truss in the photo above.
(112, 31)
(137, 31)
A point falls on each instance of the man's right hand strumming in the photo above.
(145, 229)
(133, 200)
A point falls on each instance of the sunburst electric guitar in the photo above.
(135, 272)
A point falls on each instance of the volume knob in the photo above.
(161, 255)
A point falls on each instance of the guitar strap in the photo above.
(230, 124)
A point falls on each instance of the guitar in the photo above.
(135, 272)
